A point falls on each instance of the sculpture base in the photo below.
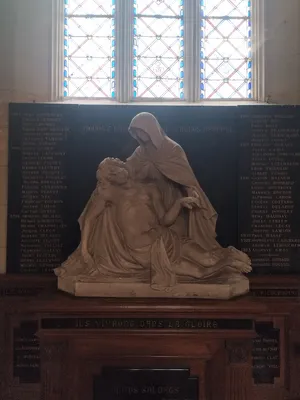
(232, 287)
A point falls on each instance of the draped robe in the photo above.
(165, 162)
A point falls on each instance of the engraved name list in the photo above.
(269, 167)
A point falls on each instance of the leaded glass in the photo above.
(225, 49)
(89, 48)
(158, 49)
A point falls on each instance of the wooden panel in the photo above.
(238, 370)
(54, 360)
(294, 362)
(161, 345)
(215, 352)
(3, 383)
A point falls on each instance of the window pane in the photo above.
(226, 49)
(158, 49)
(89, 48)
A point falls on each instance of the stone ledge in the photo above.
(233, 288)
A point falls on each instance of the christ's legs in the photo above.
(188, 268)
(193, 252)
(198, 264)
(234, 258)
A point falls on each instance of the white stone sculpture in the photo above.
(149, 230)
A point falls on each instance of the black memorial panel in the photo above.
(145, 384)
(266, 353)
(54, 153)
(269, 187)
(26, 352)
(37, 193)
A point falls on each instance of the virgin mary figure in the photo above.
(163, 161)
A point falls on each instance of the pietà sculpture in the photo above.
(149, 230)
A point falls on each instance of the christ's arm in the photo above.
(166, 218)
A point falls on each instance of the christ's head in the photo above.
(112, 171)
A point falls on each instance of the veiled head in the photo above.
(145, 128)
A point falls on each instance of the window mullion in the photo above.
(196, 50)
(119, 71)
(258, 50)
(57, 51)
(192, 50)
(128, 50)
(188, 50)
(124, 46)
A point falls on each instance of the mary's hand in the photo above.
(192, 192)
(190, 202)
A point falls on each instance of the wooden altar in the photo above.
(52, 345)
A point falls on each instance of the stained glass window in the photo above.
(89, 48)
(225, 49)
(158, 49)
